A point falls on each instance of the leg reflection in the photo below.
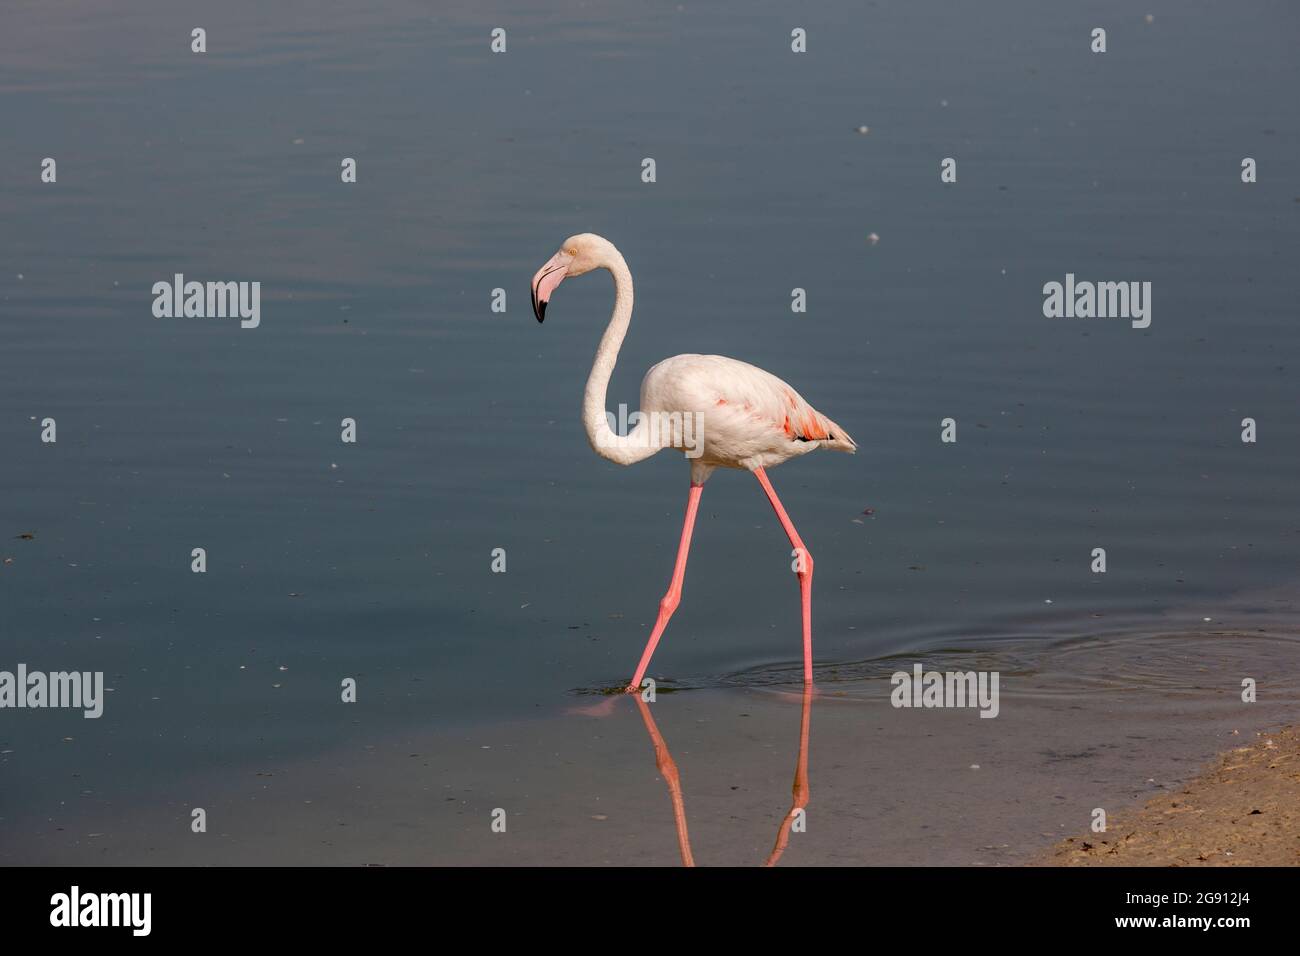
(668, 769)
(799, 803)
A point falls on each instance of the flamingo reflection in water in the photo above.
(672, 778)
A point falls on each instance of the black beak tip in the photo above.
(539, 310)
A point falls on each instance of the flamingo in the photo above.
(747, 419)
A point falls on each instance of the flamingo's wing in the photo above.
(746, 408)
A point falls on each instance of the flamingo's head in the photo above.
(578, 255)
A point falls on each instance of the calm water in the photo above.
(373, 560)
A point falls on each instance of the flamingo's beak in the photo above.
(547, 278)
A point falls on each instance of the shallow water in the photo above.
(881, 786)
(373, 560)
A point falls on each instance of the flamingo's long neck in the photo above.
(622, 449)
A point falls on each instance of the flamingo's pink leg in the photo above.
(805, 571)
(674, 595)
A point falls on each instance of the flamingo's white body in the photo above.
(748, 418)
(752, 419)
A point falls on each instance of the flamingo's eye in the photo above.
(571, 252)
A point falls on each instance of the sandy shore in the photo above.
(1243, 811)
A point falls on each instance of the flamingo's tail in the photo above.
(837, 439)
